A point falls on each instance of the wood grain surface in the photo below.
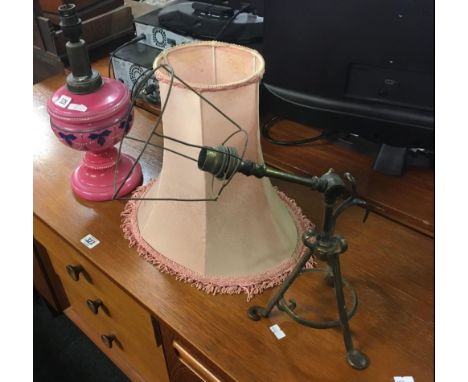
(407, 199)
(94, 336)
(391, 266)
(119, 315)
(45, 280)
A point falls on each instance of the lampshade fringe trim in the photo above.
(250, 285)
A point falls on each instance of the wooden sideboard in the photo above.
(158, 329)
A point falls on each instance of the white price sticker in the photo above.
(277, 331)
(90, 241)
(404, 379)
(63, 101)
(77, 107)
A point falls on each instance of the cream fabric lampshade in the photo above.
(250, 238)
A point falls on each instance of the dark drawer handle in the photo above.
(108, 340)
(74, 271)
(94, 305)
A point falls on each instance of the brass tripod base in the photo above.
(256, 313)
(357, 359)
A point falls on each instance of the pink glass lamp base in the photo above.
(94, 178)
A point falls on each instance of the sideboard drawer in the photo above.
(185, 364)
(111, 311)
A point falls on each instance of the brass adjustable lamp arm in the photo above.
(223, 162)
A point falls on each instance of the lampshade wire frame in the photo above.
(135, 92)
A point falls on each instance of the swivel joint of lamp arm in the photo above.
(330, 184)
(324, 244)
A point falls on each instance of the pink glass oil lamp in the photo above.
(92, 114)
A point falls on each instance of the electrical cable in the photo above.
(231, 20)
(267, 126)
(111, 56)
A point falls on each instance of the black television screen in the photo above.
(361, 66)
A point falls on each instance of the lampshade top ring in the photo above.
(192, 68)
